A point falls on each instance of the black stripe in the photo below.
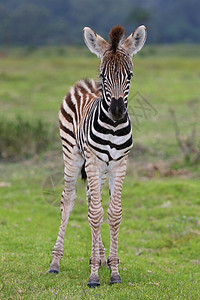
(64, 146)
(66, 130)
(101, 150)
(66, 155)
(120, 132)
(66, 141)
(70, 103)
(67, 116)
(100, 141)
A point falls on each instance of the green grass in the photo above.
(158, 241)
(159, 234)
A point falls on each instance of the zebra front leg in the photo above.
(117, 172)
(101, 246)
(95, 215)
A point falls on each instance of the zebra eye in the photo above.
(129, 76)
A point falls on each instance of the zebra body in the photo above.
(96, 136)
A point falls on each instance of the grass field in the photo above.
(159, 237)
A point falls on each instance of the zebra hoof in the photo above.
(115, 279)
(92, 285)
(93, 281)
(53, 271)
(54, 268)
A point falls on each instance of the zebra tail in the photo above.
(83, 173)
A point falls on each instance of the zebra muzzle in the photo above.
(117, 108)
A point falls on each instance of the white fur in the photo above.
(94, 42)
(136, 40)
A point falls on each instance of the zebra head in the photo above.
(116, 67)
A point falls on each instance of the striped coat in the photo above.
(84, 123)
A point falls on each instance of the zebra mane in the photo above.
(116, 34)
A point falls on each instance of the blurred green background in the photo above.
(48, 22)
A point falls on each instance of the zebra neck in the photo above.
(110, 140)
(104, 104)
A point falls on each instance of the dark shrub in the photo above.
(21, 139)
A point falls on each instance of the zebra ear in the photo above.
(136, 40)
(95, 42)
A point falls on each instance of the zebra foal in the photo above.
(96, 137)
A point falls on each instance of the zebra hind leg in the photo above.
(67, 203)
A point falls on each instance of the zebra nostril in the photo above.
(117, 108)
